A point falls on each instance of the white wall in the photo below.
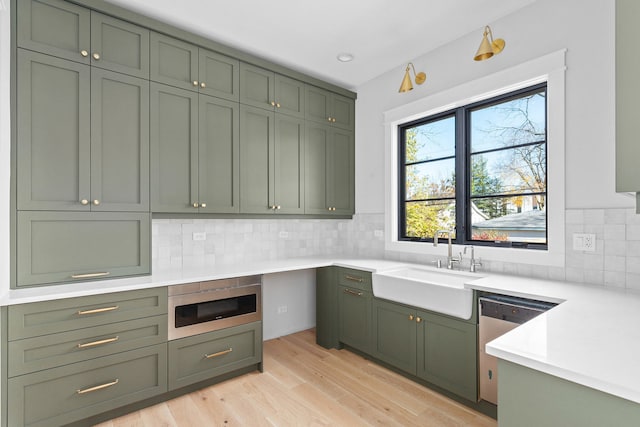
(584, 27)
(5, 145)
(294, 292)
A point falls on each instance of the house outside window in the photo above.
(480, 170)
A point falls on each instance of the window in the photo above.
(479, 169)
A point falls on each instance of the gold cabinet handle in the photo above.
(203, 205)
(329, 119)
(411, 317)
(220, 353)
(98, 387)
(99, 342)
(333, 119)
(354, 293)
(273, 103)
(96, 56)
(96, 202)
(98, 310)
(84, 53)
(203, 85)
(84, 202)
(195, 83)
(277, 105)
(418, 319)
(90, 275)
(353, 278)
(278, 207)
(195, 204)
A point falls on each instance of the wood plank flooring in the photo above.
(304, 384)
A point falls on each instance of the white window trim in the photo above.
(549, 68)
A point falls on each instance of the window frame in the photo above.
(463, 217)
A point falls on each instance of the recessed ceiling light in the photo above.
(345, 57)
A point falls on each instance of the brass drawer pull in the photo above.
(90, 275)
(350, 292)
(98, 310)
(99, 342)
(353, 278)
(98, 387)
(220, 353)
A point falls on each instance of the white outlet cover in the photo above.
(283, 234)
(584, 242)
(199, 235)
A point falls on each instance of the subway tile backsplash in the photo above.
(615, 263)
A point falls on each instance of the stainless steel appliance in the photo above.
(195, 308)
(498, 315)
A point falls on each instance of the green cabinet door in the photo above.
(119, 142)
(288, 165)
(394, 338)
(447, 354)
(343, 112)
(327, 307)
(289, 96)
(119, 46)
(174, 149)
(257, 133)
(59, 247)
(354, 318)
(55, 27)
(218, 155)
(53, 138)
(316, 150)
(323, 106)
(173, 62)
(257, 86)
(219, 75)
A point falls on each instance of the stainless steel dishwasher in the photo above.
(498, 315)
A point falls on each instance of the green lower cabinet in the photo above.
(395, 334)
(447, 354)
(70, 393)
(354, 318)
(326, 308)
(201, 357)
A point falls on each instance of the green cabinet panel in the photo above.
(447, 354)
(194, 152)
(354, 278)
(50, 317)
(80, 390)
(329, 171)
(200, 357)
(59, 247)
(55, 27)
(186, 66)
(53, 138)
(119, 46)
(323, 106)
(355, 318)
(271, 91)
(395, 335)
(119, 142)
(327, 307)
(49, 351)
(287, 193)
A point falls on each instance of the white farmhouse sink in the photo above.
(441, 291)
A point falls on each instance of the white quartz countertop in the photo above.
(591, 338)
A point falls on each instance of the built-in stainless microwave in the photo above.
(195, 308)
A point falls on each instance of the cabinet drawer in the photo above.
(205, 356)
(38, 353)
(355, 279)
(48, 317)
(74, 392)
(59, 247)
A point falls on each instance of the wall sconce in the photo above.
(406, 85)
(488, 48)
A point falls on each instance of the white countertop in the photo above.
(592, 338)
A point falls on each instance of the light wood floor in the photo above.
(306, 385)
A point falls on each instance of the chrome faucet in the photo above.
(474, 263)
(450, 259)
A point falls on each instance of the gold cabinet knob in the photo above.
(195, 204)
(84, 202)
(203, 85)
(278, 207)
(96, 56)
(411, 317)
(96, 202)
(203, 205)
(329, 119)
(84, 53)
(277, 105)
(273, 103)
(333, 119)
(418, 319)
(195, 83)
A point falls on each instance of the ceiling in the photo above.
(308, 35)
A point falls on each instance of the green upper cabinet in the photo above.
(72, 32)
(323, 106)
(83, 140)
(183, 65)
(271, 162)
(329, 171)
(194, 152)
(268, 90)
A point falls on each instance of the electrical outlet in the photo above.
(282, 309)
(199, 235)
(283, 234)
(378, 233)
(584, 242)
